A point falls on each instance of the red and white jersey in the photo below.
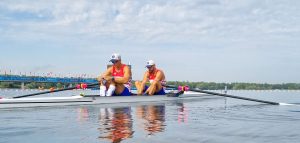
(152, 77)
(119, 74)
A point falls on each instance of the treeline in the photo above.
(237, 86)
(199, 85)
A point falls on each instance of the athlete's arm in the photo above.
(107, 74)
(159, 76)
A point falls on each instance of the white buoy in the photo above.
(225, 89)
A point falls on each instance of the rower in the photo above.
(156, 77)
(116, 79)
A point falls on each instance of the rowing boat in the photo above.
(92, 99)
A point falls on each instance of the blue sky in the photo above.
(191, 40)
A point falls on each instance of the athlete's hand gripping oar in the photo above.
(232, 96)
(69, 88)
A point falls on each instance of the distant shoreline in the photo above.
(199, 85)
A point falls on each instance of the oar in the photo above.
(175, 94)
(69, 88)
(232, 96)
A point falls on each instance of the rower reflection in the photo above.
(115, 124)
(153, 116)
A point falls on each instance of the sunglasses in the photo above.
(150, 66)
(114, 61)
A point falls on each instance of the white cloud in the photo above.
(209, 27)
(158, 21)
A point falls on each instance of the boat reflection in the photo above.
(83, 114)
(182, 113)
(115, 124)
(153, 118)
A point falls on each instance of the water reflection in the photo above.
(115, 124)
(83, 114)
(182, 113)
(153, 117)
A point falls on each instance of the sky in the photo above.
(190, 40)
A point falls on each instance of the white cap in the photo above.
(150, 63)
(115, 57)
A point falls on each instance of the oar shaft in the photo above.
(44, 92)
(69, 88)
(231, 96)
(237, 97)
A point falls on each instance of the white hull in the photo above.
(80, 100)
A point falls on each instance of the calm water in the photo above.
(217, 120)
